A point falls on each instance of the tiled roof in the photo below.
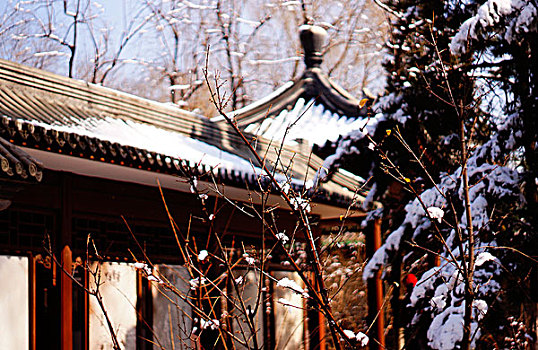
(48, 112)
(312, 100)
(305, 121)
(16, 164)
(313, 86)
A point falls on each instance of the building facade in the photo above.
(93, 181)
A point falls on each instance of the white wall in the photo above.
(14, 310)
(119, 297)
(172, 320)
(248, 291)
(289, 323)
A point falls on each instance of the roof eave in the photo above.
(312, 85)
(86, 167)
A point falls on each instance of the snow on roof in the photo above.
(29, 96)
(154, 139)
(307, 121)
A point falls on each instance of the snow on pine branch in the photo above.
(361, 129)
(346, 145)
(490, 181)
(493, 182)
(438, 297)
(416, 221)
(509, 18)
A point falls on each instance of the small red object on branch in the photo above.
(410, 280)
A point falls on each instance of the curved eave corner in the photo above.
(312, 85)
(332, 96)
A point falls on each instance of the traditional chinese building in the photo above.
(80, 160)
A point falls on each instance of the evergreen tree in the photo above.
(461, 95)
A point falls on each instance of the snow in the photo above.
(526, 20)
(495, 178)
(446, 329)
(415, 219)
(349, 334)
(438, 302)
(487, 181)
(370, 197)
(362, 338)
(197, 282)
(281, 236)
(196, 6)
(481, 308)
(213, 324)
(248, 21)
(447, 305)
(250, 260)
(179, 87)
(275, 61)
(290, 284)
(153, 139)
(380, 257)
(143, 267)
(436, 213)
(439, 293)
(306, 121)
(358, 130)
(483, 258)
(203, 255)
(300, 203)
(509, 17)
(153, 278)
(140, 265)
(50, 53)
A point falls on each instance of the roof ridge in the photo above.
(313, 84)
(48, 106)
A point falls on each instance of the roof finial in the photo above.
(312, 39)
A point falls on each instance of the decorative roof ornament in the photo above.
(310, 108)
(312, 39)
(43, 114)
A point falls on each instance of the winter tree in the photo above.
(157, 49)
(455, 134)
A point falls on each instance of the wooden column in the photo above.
(269, 329)
(316, 320)
(32, 303)
(316, 323)
(375, 289)
(66, 297)
(66, 284)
